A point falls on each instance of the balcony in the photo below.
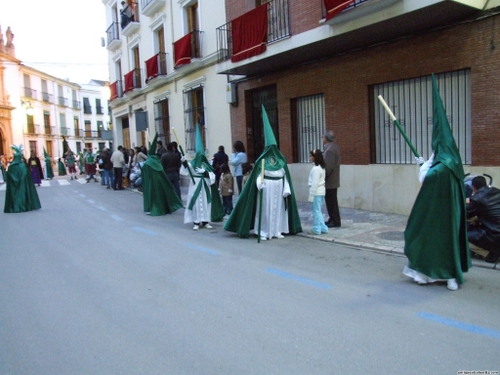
(65, 131)
(47, 98)
(78, 133)
(150, 7)
(76, 104)
(62, 101)
(32, 129)
(156, 66)
(49, 130)
(115, 90)
(187, 48)
(29, 93)
(87, 109)
(129, 19)
(132, 80)
(113, 40)
(363, 24)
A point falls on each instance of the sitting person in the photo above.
(135, 175)
(483, 207)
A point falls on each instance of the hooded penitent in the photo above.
(436, 234)
(242, 218)
(159, 196)
(48, 165)
(202, 187)
(21, 194)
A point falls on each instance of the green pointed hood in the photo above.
(274, 159)
(152, 146)
(200, 160)
(443, 142)
(45, 154)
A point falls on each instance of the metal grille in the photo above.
(194, 113)
(411, 102)
(311, 124)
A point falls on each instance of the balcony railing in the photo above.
(133, 80)
(156, 66)
(32, 129)
(99, 110)
(278, 27)
(150, 7)
(92, 134)
(129, 19)
(78, 133)
(87, 109)
(76, 104)
(48, 98)
(184, 52)
(113, 37)
(115, 90)
(65, 131)
(49, 130)
(351, 6)
(62, 101)
(29, 93)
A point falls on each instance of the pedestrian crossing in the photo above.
(49, 183)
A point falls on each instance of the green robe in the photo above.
(21, 194)
(159, 195)
(436, 234)
(48, 169)
(242, 218)
(61, 168)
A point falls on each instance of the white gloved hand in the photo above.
(183, 158)
(200, 170)
(260, 185)
(420, 160)
(286, 194)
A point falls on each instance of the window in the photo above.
(88, 129)
(137, 69)
(31, 124)
(76, 124)
(411, 102)
(46, 122)
(98, 107)
(308, 124)
(33, 148)
(194, 29)
(162, 121)
(87, 108)
(100, 128)
(194, 114)
(45, 92)
(62, 121)
(49, 148)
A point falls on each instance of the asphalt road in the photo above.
(90, 284)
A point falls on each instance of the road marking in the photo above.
(143, 230)
(45, 183)
(63, 182)
(202, 249)
(117, 218)
(460, 325)
(300, 279)
(102, 208)
(3, 186)
(91, 201)
(82, 195)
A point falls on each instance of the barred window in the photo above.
(411, 102)
(309, 125)
(194, 114)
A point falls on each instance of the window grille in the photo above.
(411, 102)
(194, 113)
(310, 124)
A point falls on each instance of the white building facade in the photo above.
(163, 79)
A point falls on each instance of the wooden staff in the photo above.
(393, 118)
(183, 154)
(261, 194)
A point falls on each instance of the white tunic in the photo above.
(201, 210)
(274, 216)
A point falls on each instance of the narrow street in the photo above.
(93, 285)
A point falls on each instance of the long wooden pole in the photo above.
(393, 118)
(261, 194)
(183, 154)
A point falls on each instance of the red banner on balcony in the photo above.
(182, 51)
(334, 7)
(249, 34)
(113, 92)
(129, 81)
(152, 68)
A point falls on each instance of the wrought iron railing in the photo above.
(76, 104)
(129, 14)
(29, 93)
(48, 98)
(112, 33)
(62, 101)
(278, 27)
(350, 6)
(32, 129)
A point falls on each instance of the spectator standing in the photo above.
(220, 158)
(160, 150)
(71, 163)
(226, 187)
(171, 163)
(317, 191)
(118, 161)
(90, 165)
(238, 158)
(331, 154)
(246, 169)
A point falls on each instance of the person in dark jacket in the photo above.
(483, 207)
(171, 162)
(220, 158)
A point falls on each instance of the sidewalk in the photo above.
(374, 231)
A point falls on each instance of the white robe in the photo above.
(201, 211)
(274, 216)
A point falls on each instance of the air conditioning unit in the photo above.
(231, 95)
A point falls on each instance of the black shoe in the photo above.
(331, 225)
(492, 258)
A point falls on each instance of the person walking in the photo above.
(35, 169)
(118, 161)
(317, 191)
(90, 161)
(238, 158)
(331, 154)
(61, 168)
(71, 163)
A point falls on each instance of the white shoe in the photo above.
(452, 284)
(420, 280)
(262, 238)
(208, 226)
(196, 227)
(279, 236)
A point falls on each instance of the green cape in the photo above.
(159, 195)
(48, 165)
(61, 168)
(436, 233)
(21, 194)
(242, 218)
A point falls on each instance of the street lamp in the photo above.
(29, 109)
